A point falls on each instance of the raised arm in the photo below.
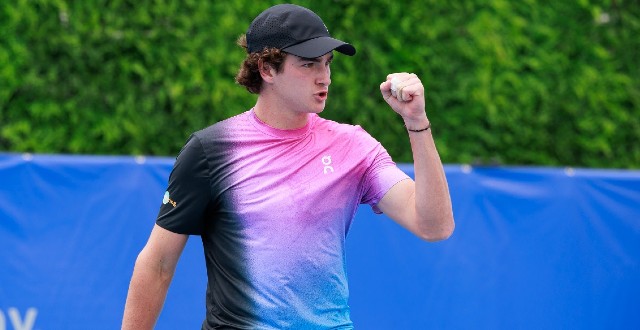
(152, 275)
(424, 206)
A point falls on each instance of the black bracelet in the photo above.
(419, 130)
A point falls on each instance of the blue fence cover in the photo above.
(534, 248)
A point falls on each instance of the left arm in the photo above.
(424, 206)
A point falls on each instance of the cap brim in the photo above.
(319, 46)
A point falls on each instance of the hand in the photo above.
(409, 103)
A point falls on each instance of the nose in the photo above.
(324, 76)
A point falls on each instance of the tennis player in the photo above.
(272, 191)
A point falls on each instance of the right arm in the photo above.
(152, 275)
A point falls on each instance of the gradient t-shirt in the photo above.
(273, 208)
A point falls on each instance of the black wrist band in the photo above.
(419, 130)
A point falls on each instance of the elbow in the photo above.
(158, 267)
(440, 232)
(432, 238)
(437, 237)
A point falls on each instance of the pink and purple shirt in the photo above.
(273, 208)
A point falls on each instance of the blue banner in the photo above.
(534, 248)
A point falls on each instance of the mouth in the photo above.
(322, 94)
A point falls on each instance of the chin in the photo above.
(318, 108)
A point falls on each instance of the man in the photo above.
(272, 191)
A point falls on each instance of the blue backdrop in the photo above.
(534, 248)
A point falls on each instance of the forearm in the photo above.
(433, 211)
(423, 207)
(147, 293)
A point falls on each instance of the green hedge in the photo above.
(531, 82)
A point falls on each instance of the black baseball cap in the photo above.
(295, 30)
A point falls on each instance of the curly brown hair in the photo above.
(249, 73)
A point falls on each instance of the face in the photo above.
(303, 83)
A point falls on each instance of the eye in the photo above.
(308, 64)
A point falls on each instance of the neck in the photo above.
(277, 117)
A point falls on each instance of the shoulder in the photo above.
(224, 126)
(340, 129)
(353, 137)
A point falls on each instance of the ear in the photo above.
(267, 72)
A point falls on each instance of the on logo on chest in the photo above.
(326, 161)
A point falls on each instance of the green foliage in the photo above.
(527, 82)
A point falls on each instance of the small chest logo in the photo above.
(326, 161)
(166, 199)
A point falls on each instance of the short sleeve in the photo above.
(382, 174)
(188, 194)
